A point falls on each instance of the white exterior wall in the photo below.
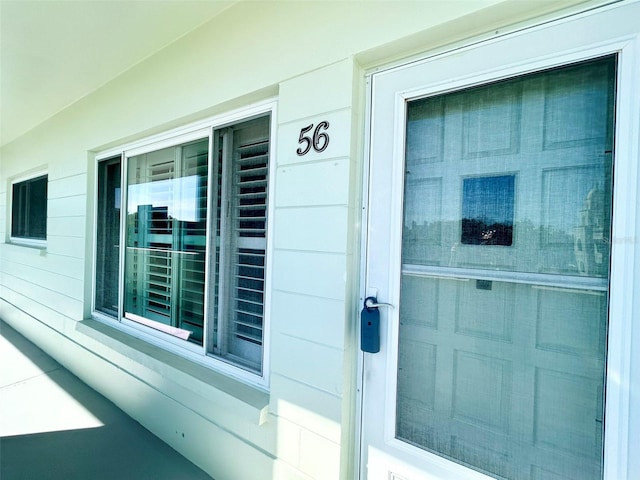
(310, 57)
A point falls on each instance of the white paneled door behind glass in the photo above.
(496, 362)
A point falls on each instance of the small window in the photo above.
(29, 209)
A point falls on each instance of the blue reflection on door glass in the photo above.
(488, 210)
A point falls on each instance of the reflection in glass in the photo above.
(487, 210)
(108, 237)
(505, 261)
(29, 209)
(166, 240)
(553, 132)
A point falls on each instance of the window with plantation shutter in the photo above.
(244, 220)
(166, 239)
(194, 227)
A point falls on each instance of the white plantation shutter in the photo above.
(249, 220)
(196, 240)
(240, 334)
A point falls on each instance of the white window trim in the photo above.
(200, 129)
(25, 242)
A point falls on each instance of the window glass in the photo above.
(29, 209)
(108, 236)
(195, 242)
(497, 135)
(503, 305)
(166, 239)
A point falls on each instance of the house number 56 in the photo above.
(319, 141)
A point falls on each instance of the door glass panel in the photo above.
(505, 261)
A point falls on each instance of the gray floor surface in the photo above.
(53, 426)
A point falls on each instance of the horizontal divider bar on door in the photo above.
(566, 282)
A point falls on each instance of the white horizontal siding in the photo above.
(71, 206)
(329, 90)
(309, 317)
(39, 296)
(310, 263)
(320, 229)
(326, 465)
(71, 266)
(307, 407)
(67, 186)
(317, 274)
(321, 183)
(308, 362)
(286, 471)
(70, 163)
(339, 140)
(66, 286)
(39, 302)
(67, 226)
(65, 245)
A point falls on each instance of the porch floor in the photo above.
(53, 426)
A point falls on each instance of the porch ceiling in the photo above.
(52, 53)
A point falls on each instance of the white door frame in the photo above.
(617, 35)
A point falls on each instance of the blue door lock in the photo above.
(370, 326)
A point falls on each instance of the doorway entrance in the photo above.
(489, 254)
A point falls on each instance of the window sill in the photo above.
(231, 395)
(30, 243)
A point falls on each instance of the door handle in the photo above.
(370, 325)
(372, 302)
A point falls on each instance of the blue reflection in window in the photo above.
(488, 210)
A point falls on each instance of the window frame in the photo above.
(27, 241)
(204, 129)
(96, 251)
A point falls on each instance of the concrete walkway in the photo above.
(53, 426)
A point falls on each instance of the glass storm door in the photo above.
(488, 233)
